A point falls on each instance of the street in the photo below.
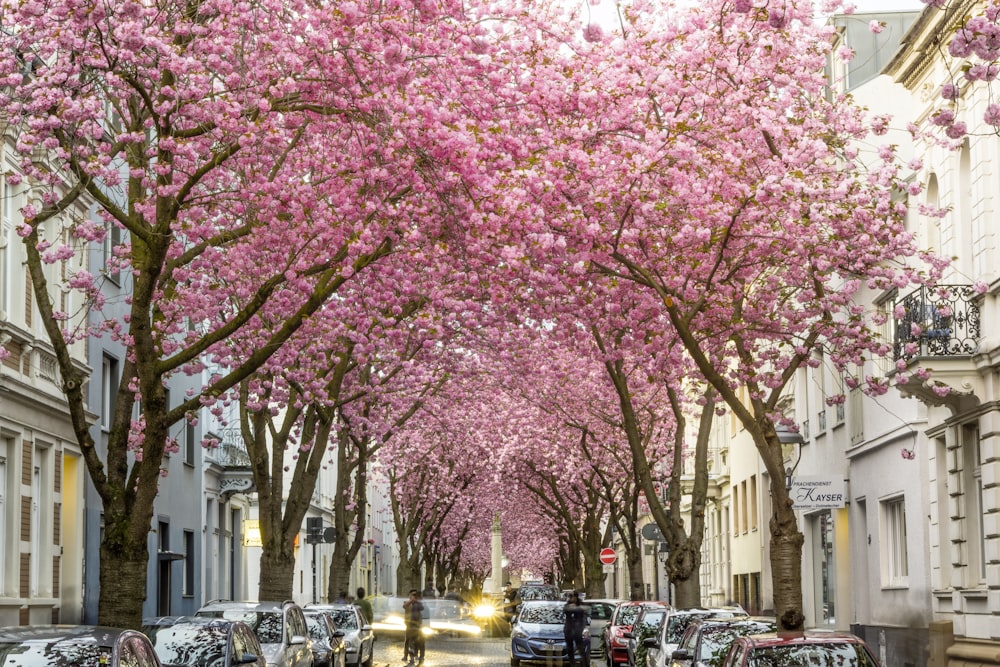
(444, 652)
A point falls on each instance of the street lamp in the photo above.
(787, 436)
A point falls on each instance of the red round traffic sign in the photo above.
(608, 556)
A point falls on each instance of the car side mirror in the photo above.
(246, 659)
(651, 642)
(338, 633)
(680, 654)
(628, 635)
(297, 639)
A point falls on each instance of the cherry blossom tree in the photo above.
(258, 156)
(717, 175)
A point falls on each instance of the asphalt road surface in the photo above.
(447, 652)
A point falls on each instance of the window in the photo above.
(4, 264)
(112, 239)
(894, 559)
(753, 503)
(188, 588)
(973, 485)
(189, 442)
(736, 509)
(6, 449)
(109, 390)
(744, 522)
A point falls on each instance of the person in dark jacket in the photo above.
(576, 621)
(413, 616)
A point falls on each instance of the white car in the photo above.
(359, 640)
(659, 649)
(280, 628)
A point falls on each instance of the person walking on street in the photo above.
(413, 616)
(364, 604)
(576, 620)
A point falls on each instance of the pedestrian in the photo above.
(364, 605)
(576, 621)
(413, 616)
(341, 598)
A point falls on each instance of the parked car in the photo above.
(613, 639)
(809, 647)
(195, 641)
(537, 633)
(601, 611)
(706, 641)
(77, 645)
(280, 628)
(674, 626)
(329, 648)
(647, 624)
(359, 640)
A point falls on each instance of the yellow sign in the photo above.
(251, 533)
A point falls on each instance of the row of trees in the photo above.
(501, 257)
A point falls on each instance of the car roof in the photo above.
(603, 601)
(218, 605)
(97, 634)
(802, 637)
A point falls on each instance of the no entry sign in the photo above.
(608, 556)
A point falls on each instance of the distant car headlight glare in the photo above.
(484, 611)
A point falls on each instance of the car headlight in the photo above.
(352, 643)
(518, 633)
(484, 611)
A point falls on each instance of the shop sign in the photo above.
(815, 492)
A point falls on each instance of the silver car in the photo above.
(601, 611)
(280, 628)
(358, 637)
(660, 649)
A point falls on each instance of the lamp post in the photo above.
(662, 555)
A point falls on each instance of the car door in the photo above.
(300, 653)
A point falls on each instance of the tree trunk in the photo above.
(277, 574)
(636, 581)
(786, 560)
(123, 586)
(683, 571)
(340, 569)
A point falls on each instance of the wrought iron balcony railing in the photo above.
(939, 322)
(232, 452)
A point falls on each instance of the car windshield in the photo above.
(676, 626)
(190, 645)
(811, 655)
(545, 615)
(442, 609)
(601, 611)
(539, 593)
(39, 654)
(345, 619)
(265, 624)
(628, 614)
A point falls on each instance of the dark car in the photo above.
(203, 642)
(329, 649)
(537, 633)
(77, 645)
(817, 648)
(615, 642)
(706, 642)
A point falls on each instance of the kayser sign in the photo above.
(817, 492)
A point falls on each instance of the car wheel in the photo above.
(368, 662)
(514, 662)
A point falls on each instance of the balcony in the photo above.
(938, 331)
(939, 322)
(232, 456)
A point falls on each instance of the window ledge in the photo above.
(974, 593)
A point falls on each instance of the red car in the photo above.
(809, 647)
(615, 642)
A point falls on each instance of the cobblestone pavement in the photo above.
(442, 652)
